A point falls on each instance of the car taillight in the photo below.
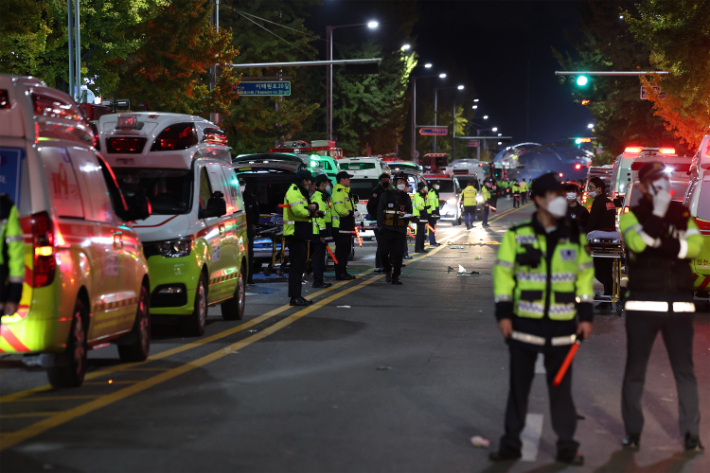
(667, 151)
(45, 264)
(176, 137)
(125, 145)
(4, 99)
(626, 210)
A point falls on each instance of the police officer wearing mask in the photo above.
(486, 194)
(12, 257)
(575, 211)
(393, 215)
(298, 230)
(543, 291)
(602, 216)
(251, 208)
(419, 211)
(372, 206)
(320, 231)
(661, 240)
(344, 216)
(432, 210)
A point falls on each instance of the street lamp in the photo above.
(500, 134)
(460, 87)
(494, 129)
(475, 107)
(372, 24)
(406, 47)
(485, 117)
(590, 126)
(428, 65)
(414, 110)
(475, 100)
(442, 76)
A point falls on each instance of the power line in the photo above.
(268, 30)
(279, 24)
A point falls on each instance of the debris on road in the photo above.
(474, 272)
(456, 247)
(343, 307)
(480, 442)
(383, 368)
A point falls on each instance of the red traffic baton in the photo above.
(331, 254)
(492, 208)
(566, 364)
(431, 228)
(284, 206)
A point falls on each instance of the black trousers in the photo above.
(677, 333)
(562, 410)
(251, 233)
(516, 199)
(318, 260)
(421, 235)
(392, 244)
(343, 245)
(603, 271)
(297, 257)
(378, 258)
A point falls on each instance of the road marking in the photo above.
(10, 439)
(531, 437)
(27, 414)
(540, 364)
(55, 398)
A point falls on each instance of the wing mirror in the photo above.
(216, 206)
(139, 208)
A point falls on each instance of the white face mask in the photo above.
(401, 186)
(436, 187)
(659, 185)
(571, 196)
(557, 207)
(242, 188)
(592, 194)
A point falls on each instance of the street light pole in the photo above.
(436, 112)
(415, 157)
(70, 42)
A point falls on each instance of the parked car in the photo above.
(450, 206)
(86, 276)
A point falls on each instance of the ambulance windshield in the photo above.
(169, 190)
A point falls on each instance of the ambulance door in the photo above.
(109, 313)
(223, 286)
(210, 232)
(235, 209)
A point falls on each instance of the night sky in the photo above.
(490, 46)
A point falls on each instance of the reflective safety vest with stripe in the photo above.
(342, 205)
(418, 204)
(522, 274)
(523, 187)
(468, 196)
(12, 252)
(296, 212)
(432, 202)
(486, 194)
(319, 223)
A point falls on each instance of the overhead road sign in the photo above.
(264, 88)
(473, 144)
(434, 131)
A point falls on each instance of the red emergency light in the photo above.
(667, 150)
(578, 166)
(632, 150)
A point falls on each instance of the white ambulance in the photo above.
(195, 239)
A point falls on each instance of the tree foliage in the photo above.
(677, 33)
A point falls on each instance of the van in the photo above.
(86, 277)
(697, 199)
(365, 167)
(450, 206)
(195, 240)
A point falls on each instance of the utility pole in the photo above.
(329, 84)
(415, 155)
(70, 42)
(453, 132)
(436, 113)
(214, 76)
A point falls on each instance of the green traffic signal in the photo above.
(582, 81)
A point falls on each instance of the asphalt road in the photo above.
(373, 377)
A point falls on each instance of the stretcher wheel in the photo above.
(619, 308)
(268, 270)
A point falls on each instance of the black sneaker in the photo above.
(631, 442)
(319, 285)
(344, 277)
(570, 456)
(505, 454)
(692, 444)
(396, 281)
(388, 276)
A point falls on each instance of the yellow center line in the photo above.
(27, 414)
(10, 439)
(56, 398)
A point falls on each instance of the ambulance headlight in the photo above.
(174, 248)
(479, 199)
(451, 201)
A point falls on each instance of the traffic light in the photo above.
(581, 81)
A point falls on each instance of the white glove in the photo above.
(661, 197)
(356, 214)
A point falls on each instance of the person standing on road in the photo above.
(372, 205)
(298, 230)
(602, 217)
(420, 213)
(494, 193)
(468, 197)
(543, 283)
(320, 231)
(251, 208)
(393, 215)
(661, 239)
(432, 210)
(346, 214)
(486, 194)
(523, 192)
(515, 188)
(575, 211)
(12, 257)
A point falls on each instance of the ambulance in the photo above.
(86, 278)
(697, 199)
(195, 240)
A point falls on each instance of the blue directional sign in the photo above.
(264, 88)
(434, 131)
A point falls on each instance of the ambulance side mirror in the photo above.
(216, 206)
(139, 208)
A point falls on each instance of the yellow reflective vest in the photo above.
(342, 204)
(523, 186)
(468, 196)
(522, 276)
(432, 202)
(295, 211)
(12, 246)
(319, 223)
(418, 204)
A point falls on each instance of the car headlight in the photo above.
(479, 198)
(174, 248)
(451, 200)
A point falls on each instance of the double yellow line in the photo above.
(11, 439)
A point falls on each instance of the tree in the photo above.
(168, 71)
(677, 32)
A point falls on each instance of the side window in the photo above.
(61, 183)
(232, 184)
(117, 200)
(205, 188)
(94, 192)
(219, 183)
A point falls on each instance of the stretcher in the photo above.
(608, 245)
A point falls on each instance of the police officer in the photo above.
(486, 194)
(251, 208)
(575, 211)
(602, 216)
(372, 205)
(432, 210)
(523, 192)
(344, 215)
(494, 193)
(543, 269)
(320, 231)
(468, 196)
(393, 215)
(12, 256)
(298, 230)
(515, 189)
(420, 213)
(661, 239)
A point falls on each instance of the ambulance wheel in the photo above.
(139, 347)
(233, 309)
(194, 325)
(69, 367)
(619, 307)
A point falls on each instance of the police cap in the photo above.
(421, 185)
(303, 175)
(321, 178)
(549, 182)
(400, 175)
(651, 171)
(343, 175)
(384, 175)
